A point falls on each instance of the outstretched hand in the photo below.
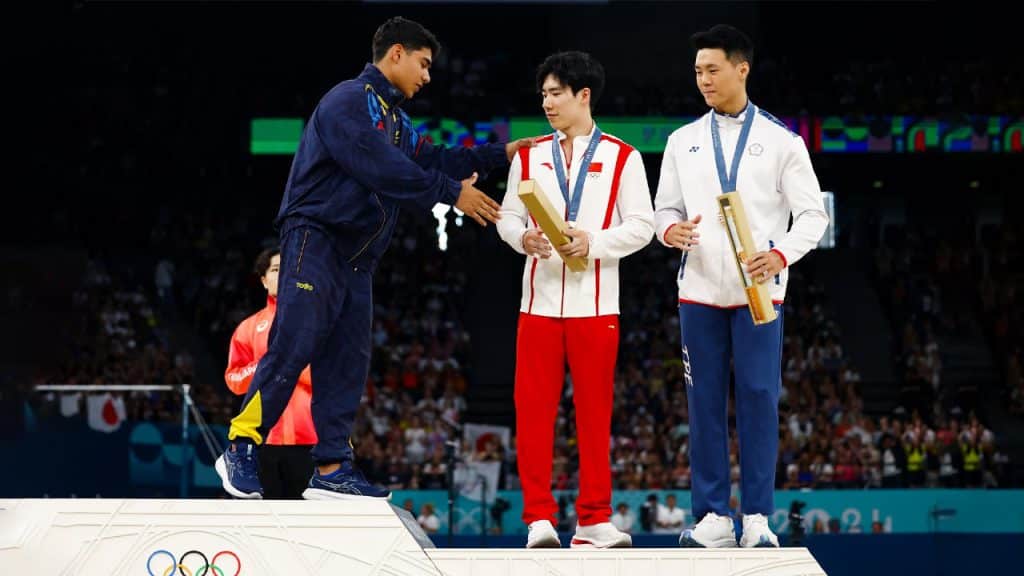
(476, 204)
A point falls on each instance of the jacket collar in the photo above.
(381, 86)
(582, 138)
(734, 119)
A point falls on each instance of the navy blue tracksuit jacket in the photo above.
(359, 162)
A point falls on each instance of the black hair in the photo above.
(737, 46)
(411, 35)
(263, 261)
(577, 70)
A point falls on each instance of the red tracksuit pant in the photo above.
(543, 345)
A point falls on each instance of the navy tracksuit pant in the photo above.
(324, 316)
(711, 338)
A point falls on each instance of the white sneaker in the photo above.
(603, 535)
(756, 533)
(713, 531)
(542, 535)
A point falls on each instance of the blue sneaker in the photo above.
(345, 483)
(238, 469)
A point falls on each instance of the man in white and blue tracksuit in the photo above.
(734, 147)
(358, 162)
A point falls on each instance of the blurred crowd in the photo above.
(416, 394)
(209, 212)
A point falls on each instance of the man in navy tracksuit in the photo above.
(359, 161)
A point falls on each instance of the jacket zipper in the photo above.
(302, 250)
(383, 222)
(397, 141)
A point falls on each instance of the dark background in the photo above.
(133, 123)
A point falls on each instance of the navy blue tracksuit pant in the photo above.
(324, 315)
(711, 337)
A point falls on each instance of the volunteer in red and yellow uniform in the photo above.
(285, 464)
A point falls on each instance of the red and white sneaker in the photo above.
(603, 535)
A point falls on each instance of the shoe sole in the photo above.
(689, 542)
(222, 471)
(551, 542)
(580, 543)
(759, 545)
(321, 494)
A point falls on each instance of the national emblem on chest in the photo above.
(596, 184)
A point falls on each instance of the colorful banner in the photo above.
(823, 134)
(897, 511)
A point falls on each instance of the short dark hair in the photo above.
(263, 261)
(411, 35)
(577, 70)
(737, 46)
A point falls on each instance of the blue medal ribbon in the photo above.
(728, 180)
(573, 203)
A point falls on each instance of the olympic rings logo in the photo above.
(183, 569)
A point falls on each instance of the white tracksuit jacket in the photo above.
(775, 180)
(615, 209)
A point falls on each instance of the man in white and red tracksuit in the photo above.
(598, 183)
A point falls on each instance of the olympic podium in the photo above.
(98, 537)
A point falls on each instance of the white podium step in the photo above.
(247, 538)
(627, 562)
(295, 538)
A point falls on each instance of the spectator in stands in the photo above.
(894, 463)
(973, 461)
(916, 463)
(435, 472)
(649, 513)
(428, 520)
(623, 518)
(951, 464)
(670, 517)
(848, 470)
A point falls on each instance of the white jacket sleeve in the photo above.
(669, 208)
(514, 215)
(634, 206)
(799, 185)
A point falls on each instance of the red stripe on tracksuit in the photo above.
(533, 272)
(542, 346)
(524, 161)
(785, 263)
(664, 237)
(620, 163)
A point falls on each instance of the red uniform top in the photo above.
(248, 345)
